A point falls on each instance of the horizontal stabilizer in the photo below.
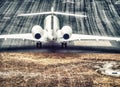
(33, 14)
(69, 14)
(53, 13)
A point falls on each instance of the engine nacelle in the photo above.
(66, 32)
(37, 32)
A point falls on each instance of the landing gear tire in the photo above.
(64, 45)
(39, 45)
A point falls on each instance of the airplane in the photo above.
(52, 32)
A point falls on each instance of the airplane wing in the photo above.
(74, 37)
(77, 37)
(27, 36)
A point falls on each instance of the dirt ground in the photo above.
(55, 70)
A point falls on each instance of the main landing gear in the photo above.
(64, 45)
(39, 45)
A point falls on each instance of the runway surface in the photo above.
(103, 18)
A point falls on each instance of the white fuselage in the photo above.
(51, 25)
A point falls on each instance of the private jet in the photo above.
(51, 33)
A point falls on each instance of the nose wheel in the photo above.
(39, 45)
(64, 45)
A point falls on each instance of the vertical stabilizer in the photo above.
(52, 11)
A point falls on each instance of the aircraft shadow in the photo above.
(79, 49)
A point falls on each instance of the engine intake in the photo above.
(37, 32)
(66, 32)
(66, 36)
(37, 36)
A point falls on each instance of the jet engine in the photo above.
(37, 32)
(66, 32)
